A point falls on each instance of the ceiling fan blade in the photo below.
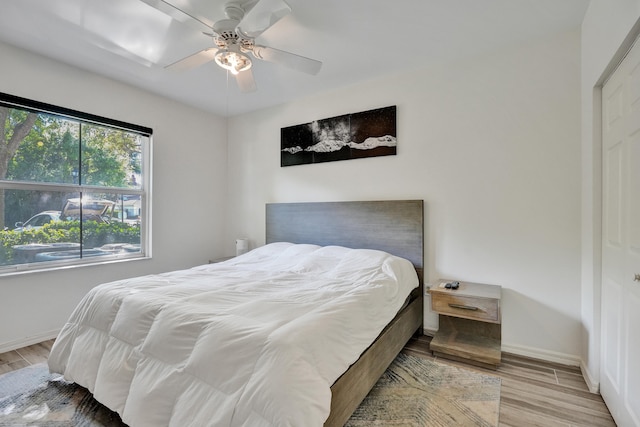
(288, 59)
(194, 60)
(261, 17)
(178, 14)
(246, 82)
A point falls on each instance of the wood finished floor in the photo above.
(533, 392)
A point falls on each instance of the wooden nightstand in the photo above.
(470, 323)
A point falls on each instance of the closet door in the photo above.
(620, 328)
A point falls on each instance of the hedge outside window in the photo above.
(73, 187)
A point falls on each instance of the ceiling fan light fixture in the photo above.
(233, 61)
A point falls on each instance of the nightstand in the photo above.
(470, 323)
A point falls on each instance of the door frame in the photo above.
(593, 378)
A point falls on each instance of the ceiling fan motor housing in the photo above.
(225, 30)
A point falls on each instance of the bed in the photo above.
(315, 332)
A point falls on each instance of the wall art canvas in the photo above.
(351, 136)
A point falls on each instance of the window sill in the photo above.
(40, 267)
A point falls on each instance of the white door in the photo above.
(620, 370)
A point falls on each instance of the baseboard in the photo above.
(594, 386)
(429, 332)
(27, 341)
(552, 356)
(546, 355)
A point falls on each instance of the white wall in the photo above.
(491, 144)
(189, 189)
(607, 29)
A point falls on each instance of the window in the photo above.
(73, 187)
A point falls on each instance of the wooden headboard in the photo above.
(393, 226)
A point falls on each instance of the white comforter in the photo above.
(254, 341)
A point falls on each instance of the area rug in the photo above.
(420, 392)
(413, 392)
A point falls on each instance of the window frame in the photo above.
(12, 101)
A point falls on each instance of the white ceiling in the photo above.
(130, 41)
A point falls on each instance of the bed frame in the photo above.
(395, 226)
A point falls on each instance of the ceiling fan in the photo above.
(234, 40)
